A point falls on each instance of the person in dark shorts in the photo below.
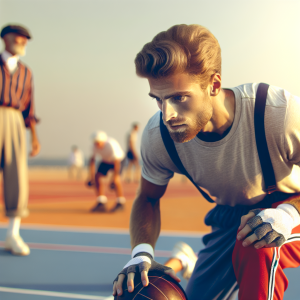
(112, 155)
(133, 167)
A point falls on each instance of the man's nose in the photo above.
(168, 111)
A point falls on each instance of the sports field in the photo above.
(76, 254)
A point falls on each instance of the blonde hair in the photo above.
(190, 49)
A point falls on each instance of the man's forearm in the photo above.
(144, 221)
(92, 168)
(33, 130)
(295, 201)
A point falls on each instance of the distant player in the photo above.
(183, 260)
(76, 163)
(112, 158)
(243, 153)
(133, 167)
(16, 113)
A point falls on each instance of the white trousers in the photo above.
(13, 162)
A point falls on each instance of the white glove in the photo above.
(275, 225)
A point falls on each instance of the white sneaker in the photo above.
(186, 255)
(16, 245)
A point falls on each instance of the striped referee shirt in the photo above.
(16, 90)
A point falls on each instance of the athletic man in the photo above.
(16, 113)
(133, 167)
(215, 139)
(112, 157)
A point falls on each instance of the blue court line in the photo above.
(54, 228)
(100, 238)
(66, 264)
(90, 249)
(76, 270)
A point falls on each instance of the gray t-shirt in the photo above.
(229, 169)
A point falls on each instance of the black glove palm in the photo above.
(145, 263)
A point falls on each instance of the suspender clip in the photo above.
(271, 189)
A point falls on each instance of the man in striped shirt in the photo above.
(16, 113)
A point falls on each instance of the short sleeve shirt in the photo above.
(111, 151)
(229, 169)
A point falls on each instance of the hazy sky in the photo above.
(82, 55)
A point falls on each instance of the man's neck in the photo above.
(223, 106)
(11, 61)
(8, 54)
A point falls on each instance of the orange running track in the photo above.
(63, 202)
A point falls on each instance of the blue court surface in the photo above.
(81, 264)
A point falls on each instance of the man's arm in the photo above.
(145, 214)
(132, 147)
(35, 145)
(91, 169)
(144, 228)
(117, 177)
(245, 229)
(295, 201)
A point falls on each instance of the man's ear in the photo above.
(215, 84)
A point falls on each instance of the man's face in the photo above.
(99, 144)
(15, 43)
(185, 106)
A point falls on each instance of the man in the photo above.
(112, 157)
(132, 155)
(76, 161)
(213, 131)
(16, 113)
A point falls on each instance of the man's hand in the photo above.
(90, 183)
(270, 227)
(35, 144)
(141, 264)
(144, 229)
(35, 147)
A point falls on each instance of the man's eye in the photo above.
(179, 98)
(157, 99)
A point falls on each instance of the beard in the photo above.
(193, 126)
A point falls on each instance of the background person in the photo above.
(112, 158)
(255, 230)
(183, 260)
(16, 113)
(76, 163)
(133, 168)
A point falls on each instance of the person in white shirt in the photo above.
(133, 167)
(112, 157)
(76, 162)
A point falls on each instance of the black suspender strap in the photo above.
(261, 144)
(171, 149)
(260, 136)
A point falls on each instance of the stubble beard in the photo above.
(192, 127)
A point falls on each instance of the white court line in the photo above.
(40, 227)
(52, 294)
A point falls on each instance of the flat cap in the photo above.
(15, 29)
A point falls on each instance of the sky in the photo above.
(82, 57)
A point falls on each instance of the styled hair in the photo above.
(190, 49)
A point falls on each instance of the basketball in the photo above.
(161, 287)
